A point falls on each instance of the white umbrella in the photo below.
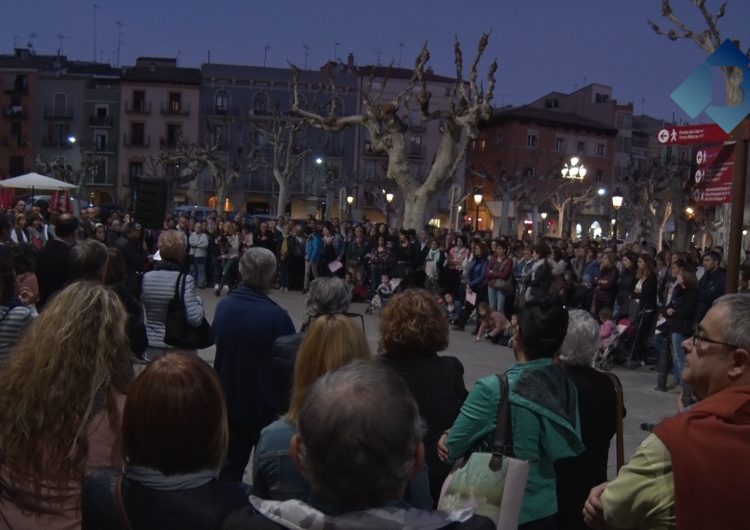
(36, 181)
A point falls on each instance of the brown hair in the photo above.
(172, 245)
(116, 269)
(332, 341)
(412, 323)
(175, 418)
(689, 279)
(648, 260)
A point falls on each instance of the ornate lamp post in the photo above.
(575, 171)
(388, 199)
(477, 201)
(616, 204)
(349, 201)
(544, 223)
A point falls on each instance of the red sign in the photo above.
(713, 175)
(709, 133)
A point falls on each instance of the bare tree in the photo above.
(469, 104)
(567, 195)
(709, 41)
(58, 167)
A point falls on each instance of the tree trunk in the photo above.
(283, 196)
(221, 195)
(505, 227)
(415, 205)
(560, 219)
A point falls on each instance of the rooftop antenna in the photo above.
(336, 50)
(307, 53)
(96, 8)
(209, 57)
(401, 47)
(119, 42)
(265, 54)
(378, 54)
(30, 45)
(179, 55)
(62, 41)
(643, 105)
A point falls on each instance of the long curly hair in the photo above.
(412, 324)
(69, 365)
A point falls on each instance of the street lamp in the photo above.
(544, 223)
(318, 160)
(573, 170)
(388, 199)
(477, 201)
(349, 201)
(616, 204)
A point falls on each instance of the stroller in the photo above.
(381, 296)
(616, 349)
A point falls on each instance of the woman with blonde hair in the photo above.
(331, 342)
(60, 406)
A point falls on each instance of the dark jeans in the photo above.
(242, 439)
(284, 273)
(547, 523)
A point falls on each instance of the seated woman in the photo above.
(174, 439)
(60, 403)
(413, 330)
(330, 342)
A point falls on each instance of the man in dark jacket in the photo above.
(711, 284)
(355, 484)
(245, 325)
(52, 270)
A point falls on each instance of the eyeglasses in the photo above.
(698, 337)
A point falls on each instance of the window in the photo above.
(623, 145)
(530, 171)
(174, 132)
(600, 149)
(175, 101)
(560, 144)
(531, 140)
(260, 104)
(221, 103)
(101, 111)
(15, 166)
(499, 139)
(482, 144)
(59, 102)
(139, 100)
(137, 136)
(15, 130)
(552, 103)
(600, 175)
(99, 171)
(60, 134)
(415, 145)
(581, 148)
(135, 171)
(100, 141)
(601, 98)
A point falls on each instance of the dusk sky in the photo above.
(541, 45)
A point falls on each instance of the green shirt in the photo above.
(545, 428)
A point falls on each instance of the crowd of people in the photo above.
(104, 424)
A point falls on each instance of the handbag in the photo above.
(504, 286)
(493, 484)
(177, 330)
(619, 413)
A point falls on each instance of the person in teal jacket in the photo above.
(544, 411)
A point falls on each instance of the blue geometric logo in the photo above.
(694, 94)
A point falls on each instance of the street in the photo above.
(642, 403)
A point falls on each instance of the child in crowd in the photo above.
(382, 294)
(492, 324)
(607, 329)
(451, 307)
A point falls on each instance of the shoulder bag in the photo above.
(619, 413)
(177, 330)
(493, 484)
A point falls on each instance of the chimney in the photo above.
(350, 60)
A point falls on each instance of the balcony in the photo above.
(107, 148)
(136, 141)
(13, 140)
(172, 109)
(101, 121)
(52, 140)
(19, 87)
(14, 112)
(58, 113)
(139, 107)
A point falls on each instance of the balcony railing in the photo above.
(14, 111)
(13, 140)
(213, 110)
(108, 147)
(101, 121)
(58, 113)
(140, 107)
(171, 109)
(137, 141)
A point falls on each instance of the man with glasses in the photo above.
(692, 471)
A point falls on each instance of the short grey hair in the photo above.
(344, 438)
(582, 340)
(327, 295)
(87, 260)
(737, 330)
(257, 268)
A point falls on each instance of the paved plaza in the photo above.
(643, 404)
